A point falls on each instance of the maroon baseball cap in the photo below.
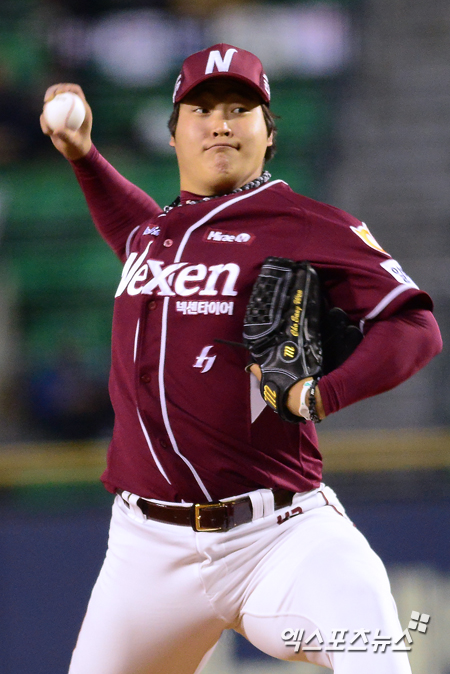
(222, 60)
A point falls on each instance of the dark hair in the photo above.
(269, 119)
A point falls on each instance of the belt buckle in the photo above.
(198, 507)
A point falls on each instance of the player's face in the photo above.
(221, 137)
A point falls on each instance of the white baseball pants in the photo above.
(165, 592)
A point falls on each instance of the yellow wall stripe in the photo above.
(343, 451)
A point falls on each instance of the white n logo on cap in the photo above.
(222, 64)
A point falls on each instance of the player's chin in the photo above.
(225, 177)
(223, 162)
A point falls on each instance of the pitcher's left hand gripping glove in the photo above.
(282, 329)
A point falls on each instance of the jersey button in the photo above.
(163, 443)
(146, 378)
(152, 305)
(167, 243)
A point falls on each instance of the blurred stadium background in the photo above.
(363, 91)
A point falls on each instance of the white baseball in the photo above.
(66, 110)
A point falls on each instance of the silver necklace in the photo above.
(263, 178)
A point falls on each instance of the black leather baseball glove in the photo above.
(286, 327)
(282, 329)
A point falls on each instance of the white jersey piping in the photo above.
(128, 243)
(385, 302)
(162, 396)
(162, 392)
(136, 337)
(218, 209)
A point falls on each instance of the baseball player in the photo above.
(221, 520)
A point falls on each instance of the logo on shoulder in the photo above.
(364, 234)
(217, 236)
(393, 267)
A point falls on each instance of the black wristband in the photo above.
(312, 403)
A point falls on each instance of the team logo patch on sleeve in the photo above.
(393, 267)
(364, 234)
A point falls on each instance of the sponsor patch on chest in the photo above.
(218, 236)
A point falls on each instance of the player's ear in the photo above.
(172, 141)
(270, 139)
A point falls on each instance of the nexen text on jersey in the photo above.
(172, 280)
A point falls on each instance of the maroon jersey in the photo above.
(188, 425)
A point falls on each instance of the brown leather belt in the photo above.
(215, 516)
